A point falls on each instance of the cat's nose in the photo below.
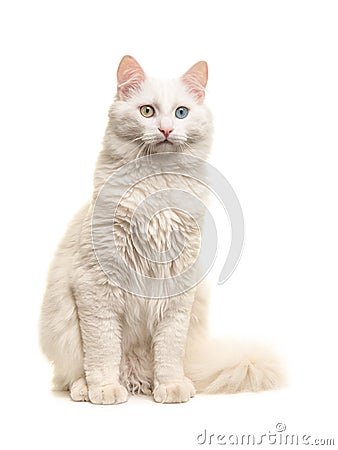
(166, 131)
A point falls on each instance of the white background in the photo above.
(273, 92)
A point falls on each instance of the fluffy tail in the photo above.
(228, 366)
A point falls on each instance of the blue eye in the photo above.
(181, 112)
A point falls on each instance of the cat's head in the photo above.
(159, 115)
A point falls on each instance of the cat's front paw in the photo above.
(110, 394)
(175, 392)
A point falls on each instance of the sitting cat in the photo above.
(105, 339)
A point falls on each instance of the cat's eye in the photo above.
(147, 111)
(181, 112)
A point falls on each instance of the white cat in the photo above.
(104, 340)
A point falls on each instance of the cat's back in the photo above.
(68, 247)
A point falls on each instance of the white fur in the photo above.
(104, 342)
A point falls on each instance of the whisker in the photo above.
(186, 145)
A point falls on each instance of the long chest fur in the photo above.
(152, 237)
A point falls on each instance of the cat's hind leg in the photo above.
(60, 339)
(78, 390)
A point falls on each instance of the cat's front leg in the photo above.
(101, 337)
(170, 383)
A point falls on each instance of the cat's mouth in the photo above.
(162, 145)
(165, 145)
(165, 142)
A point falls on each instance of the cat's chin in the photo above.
(163, 147)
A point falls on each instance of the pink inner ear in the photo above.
(130, 75)
(196, 79)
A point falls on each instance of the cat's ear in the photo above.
(130, 75)
(195, 79)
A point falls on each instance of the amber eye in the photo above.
(147, 111)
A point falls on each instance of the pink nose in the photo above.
(166, 131)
